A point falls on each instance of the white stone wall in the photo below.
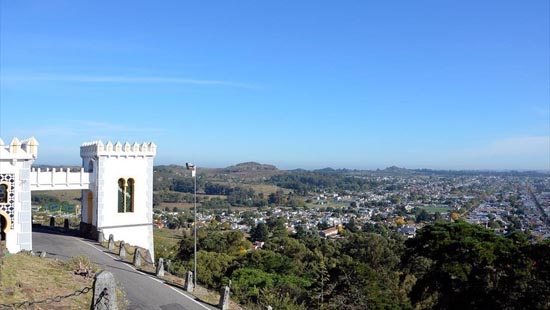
(62, 179)
(24, 216)
(111, 163)
(16, 159)
(112, 170)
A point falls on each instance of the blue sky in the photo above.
(310, 84)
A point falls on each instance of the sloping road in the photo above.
(142, 290)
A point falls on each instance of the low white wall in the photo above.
(59, 180)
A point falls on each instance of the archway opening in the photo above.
(90, 208)
(59, 204)
(4, 228)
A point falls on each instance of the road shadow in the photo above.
(168, 283)
(57, 231)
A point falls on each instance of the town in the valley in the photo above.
(396, 199)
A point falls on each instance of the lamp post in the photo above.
(193, 169)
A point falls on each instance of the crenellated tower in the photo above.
(16, 159)
(120, 201)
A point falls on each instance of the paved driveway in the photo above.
(142, 290)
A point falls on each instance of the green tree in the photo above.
(259, 233)
(468, 267)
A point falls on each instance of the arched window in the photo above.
(3, 193)
(130, 196)
(121, 190)
(126, 190)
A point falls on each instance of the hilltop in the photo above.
(248, 172)
(250, 166)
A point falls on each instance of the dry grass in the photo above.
(30, 278)
(267, 189)
(179, 205)
(176, 234)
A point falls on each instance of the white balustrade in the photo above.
(62, 179)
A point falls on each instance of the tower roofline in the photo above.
(97, 148)
(19, 149)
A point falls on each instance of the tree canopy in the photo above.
(446, 266)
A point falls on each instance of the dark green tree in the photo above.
(259, 233)
(465, 266)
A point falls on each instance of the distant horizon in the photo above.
(37, 163)
(425, 84)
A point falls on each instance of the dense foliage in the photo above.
(446, 266)
(303, 181)
(45, 199)
(463, 266)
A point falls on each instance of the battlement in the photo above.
(62, 179)
(19, 150)
(97, 148)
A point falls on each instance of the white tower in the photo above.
(15, 194)
(120, 201)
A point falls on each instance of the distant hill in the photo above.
(250, 166)
(332, 170)
(166, 176)
(394, 170)
(243, 172)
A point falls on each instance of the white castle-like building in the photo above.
(117, 191)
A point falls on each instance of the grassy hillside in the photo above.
(30, 278)
(33, 279)
(241, 185)
(70, 196)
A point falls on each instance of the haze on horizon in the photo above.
(355, 85)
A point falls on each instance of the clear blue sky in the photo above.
(310, 84)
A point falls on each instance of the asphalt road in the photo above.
(142, 290)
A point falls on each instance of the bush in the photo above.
(81, 263)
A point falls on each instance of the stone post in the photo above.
(137, 258)
(148, 257)
(188, 286)
(66, 224)
(122, 250)
(168, 264)
(52, 221)
(111, 245)
(104, 292)
(100, 236)
(160, 268)
(224, 298)
(42, 254)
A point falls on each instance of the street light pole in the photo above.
(193, 169)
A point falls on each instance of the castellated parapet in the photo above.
(97, 148)
(26, 149)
